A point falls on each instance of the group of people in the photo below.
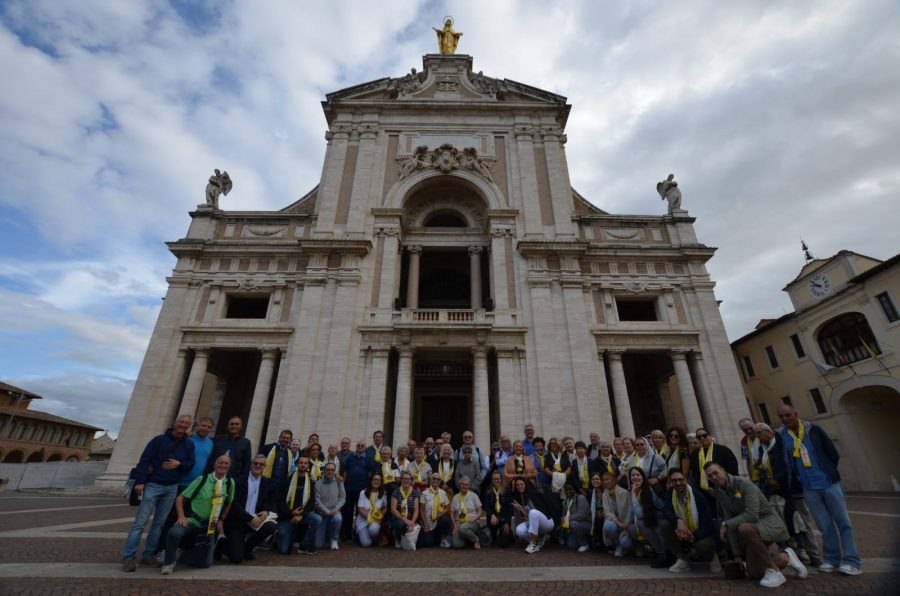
(675, 496)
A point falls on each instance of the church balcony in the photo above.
(443, 317)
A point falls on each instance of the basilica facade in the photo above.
(443, 275)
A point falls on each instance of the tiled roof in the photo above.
(33, 415)
(7, 388)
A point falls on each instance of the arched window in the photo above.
(847, 339)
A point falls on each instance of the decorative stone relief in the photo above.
(445, 158)
(622, 233)
(484, 84)
(248, 284)
(264, 231)
(447, 86)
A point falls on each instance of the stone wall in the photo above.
(61, 474)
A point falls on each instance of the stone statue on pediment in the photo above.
(410, 82)
(219, 184)
(668, 191)
(417, 161)
(447, 37)
(484, 84)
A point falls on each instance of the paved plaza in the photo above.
(72, 545)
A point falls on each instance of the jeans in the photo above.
(287, 531)
(200, 556)
(578, 534)
(367, 533)
(466, 533)
(829, 509)
(327, 525)
(704, 549)
(439, 530)
(157, 499)
(613, 536)
(652, 534)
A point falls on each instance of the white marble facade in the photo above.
(465, 281)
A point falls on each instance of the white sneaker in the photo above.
(161, 556)
(445, 543)
(584, 549)
(680, 566)
(542, 539)
(795, 563)
(167, 569)
(715, 566)
(397, 545)
(772, 579)
(848, 569)
(334, 545)
(826, 568)
(532, 548)
(619, 552)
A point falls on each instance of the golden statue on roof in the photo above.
(447, 37)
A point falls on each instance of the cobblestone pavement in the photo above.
(71, 545)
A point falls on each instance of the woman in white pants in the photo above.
(370, 510)
(533, 515)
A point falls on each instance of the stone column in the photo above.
(403, 405)
(498, 269)
(195, 383)
(710, 420)
(260, 398)
(175, 390)
(620, 394)
(481, 411)
(692, 418)
(389, 268)
(412, 280)
(475, 276)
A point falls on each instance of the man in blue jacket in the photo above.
(165, 458)
(687, 525)
(812, 461)
(357, 467)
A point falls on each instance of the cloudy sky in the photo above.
(779, 120)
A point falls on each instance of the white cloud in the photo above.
(779, 121)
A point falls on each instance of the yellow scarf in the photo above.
(377, 457)
(463, 512)
(557, 466)
(292, 492)
(446, 472)
(686, 510)
(565, 519)
(419, 478)
(752, 448)
(404, 467)
(800, 451)
(664, 452)
(375, 513)
(217, 501)
(315, 470)
(387, 473)
(270, 462)
(583, 472)
(437, 506)
(609, 465)
(520, 465)
(404, 501)
(496, 500)
(702, 458)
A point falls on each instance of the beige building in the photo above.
(28, 436)
(442, 275)
(835, 360)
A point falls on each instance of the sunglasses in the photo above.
(702, 436)
(259, 464)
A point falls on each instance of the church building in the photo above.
(442, 275)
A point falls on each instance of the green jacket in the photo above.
(741, 502)
(201, 497)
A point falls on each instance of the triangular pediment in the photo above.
(305, 205)
(447, 78)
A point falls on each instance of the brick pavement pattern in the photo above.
(877, 525)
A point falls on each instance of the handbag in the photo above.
(408, 540)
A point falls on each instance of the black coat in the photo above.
(238, 512)
(241, 454)
(506, 510)
(284, 512)
(722, 455)
(593, 465)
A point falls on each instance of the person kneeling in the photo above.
(210, 498)
(532, 515)
(295, 511)
(434, 513)
(467, 511)
(688, 526)
(751, 525)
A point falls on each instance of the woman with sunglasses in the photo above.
(434, 515)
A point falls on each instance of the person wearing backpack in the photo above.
(165, 458)
(210, 498)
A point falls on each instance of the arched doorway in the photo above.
(37, 456)
(55, 457)
(14, 457)
(871, 413)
